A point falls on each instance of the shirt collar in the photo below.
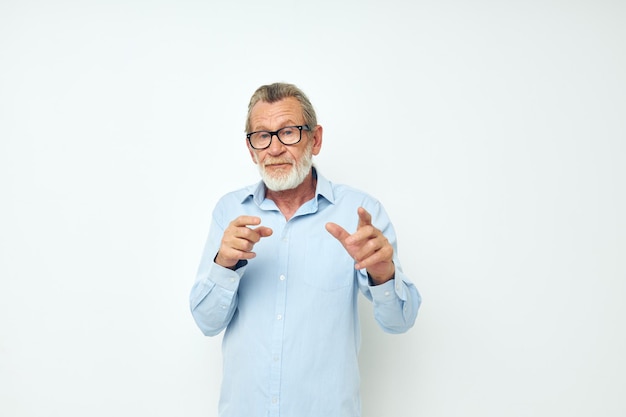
(323, 189)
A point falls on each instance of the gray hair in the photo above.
(278, 91)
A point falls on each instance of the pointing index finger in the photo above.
(247, 221)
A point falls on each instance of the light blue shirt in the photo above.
(292, 328)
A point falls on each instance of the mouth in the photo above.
(277, 165)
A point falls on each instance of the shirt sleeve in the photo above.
(397, 301)
(213, 297)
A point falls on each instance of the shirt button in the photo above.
(232, 280)
(282, 277)
(279, 317)
(274, 400)
(387, 293)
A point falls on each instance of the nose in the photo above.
(276, 146)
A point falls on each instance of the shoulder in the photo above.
(347, 198)
(345, 193)
(233, 200)
(236, 196)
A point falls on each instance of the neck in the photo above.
(289, 201)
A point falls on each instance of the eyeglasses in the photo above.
(288, 135)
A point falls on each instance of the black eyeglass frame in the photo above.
(275, 133)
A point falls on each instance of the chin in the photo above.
(285, 182)
(280, 185)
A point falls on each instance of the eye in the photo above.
(288, 131)
(263, 135)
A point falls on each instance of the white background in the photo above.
(493, 132)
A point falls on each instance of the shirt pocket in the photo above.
(328, 265)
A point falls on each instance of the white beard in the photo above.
(291, 179)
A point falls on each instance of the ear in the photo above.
(317, 139)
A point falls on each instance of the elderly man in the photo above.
(282, 267)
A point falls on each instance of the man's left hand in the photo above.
(368, 247)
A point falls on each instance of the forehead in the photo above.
(266, 115)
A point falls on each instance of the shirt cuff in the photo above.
(385, 292)
(228, 278)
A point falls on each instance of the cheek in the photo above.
(298, 154)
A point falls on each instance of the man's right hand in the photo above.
(239, 239)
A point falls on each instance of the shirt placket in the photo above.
(279, 323)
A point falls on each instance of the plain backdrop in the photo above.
(493, 132)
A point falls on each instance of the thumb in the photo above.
(264, 231)
(365, 219)
(337, 231)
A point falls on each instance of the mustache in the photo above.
(274, 161)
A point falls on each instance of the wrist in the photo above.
(377, 278)
(228, 263)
